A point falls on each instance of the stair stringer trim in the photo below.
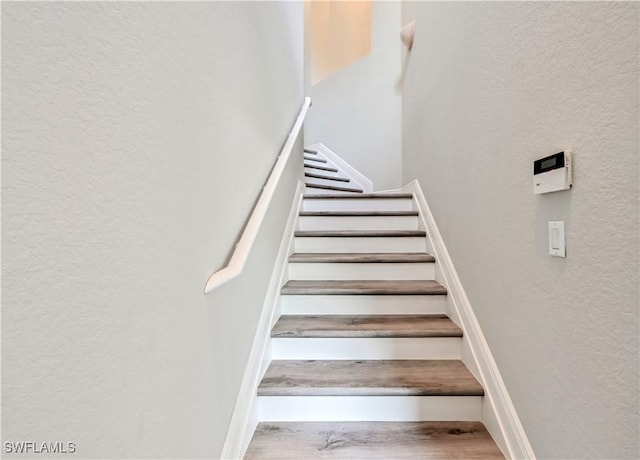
(356, 176)
(245, 416)
(499, 414)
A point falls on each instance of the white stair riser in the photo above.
(367, 348)
(358, 204)
(358, 223)
(360, 244)
(362, 304)
(369, 408)
(361, 271)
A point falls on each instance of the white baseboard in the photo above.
(499, 414)
(355, 175)
(245, 413)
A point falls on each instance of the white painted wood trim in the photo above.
(245, 413)
(503, 422)
(355, 175)
(244, 245)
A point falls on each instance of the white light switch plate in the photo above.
(556, 239)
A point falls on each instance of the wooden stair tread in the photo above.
(313, 152)
(359, 213)
(360, 233)
(320, 167)
(325, 177)
(359, 257)
(369, 378)
(333, 187)
(363, 287)
(372, 441)
(319, 160)
(363, 195)
(365, 326)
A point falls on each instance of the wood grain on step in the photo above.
(361, 257)
(359, 213)
(389, 196)
(363, 287)
(360, 233)
(369, 378)
(372, 441)
(319, 160)
(325, 177)
(320, 167)
(365, 326)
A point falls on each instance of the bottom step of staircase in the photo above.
(372, 440)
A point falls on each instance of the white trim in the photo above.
(344, 167)
(502, 420)
(245, 413)
(244, 245)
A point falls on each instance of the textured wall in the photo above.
(356, 111)
(490, 87)
(135, 140)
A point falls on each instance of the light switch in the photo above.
(556, 239)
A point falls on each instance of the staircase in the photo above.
(366, 364)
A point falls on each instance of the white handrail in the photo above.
(244, 245)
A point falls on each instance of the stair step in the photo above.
(313, 152)
(372, 441)
(359, 213)
(387, 196)
(363, 287)
(359, 233)
(372, 257)
(365, 326)
(362, 304)
(311, 185)
(369, 378)
(325, 177)
(319, 160)
(320, 167)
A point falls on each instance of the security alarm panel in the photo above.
(552, 173)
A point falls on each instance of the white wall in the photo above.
(357, 110)
(490, 87)
(136, 138)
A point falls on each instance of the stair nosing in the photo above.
(319, 160)
(403, 196)
(333, 187)
(320, 176)
(359, 213)
(360, 233)
(361, 257)
(321, 168)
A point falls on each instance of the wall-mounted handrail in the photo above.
(245, 243)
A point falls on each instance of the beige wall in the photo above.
(135, 140)
(490, 87)
(357, 110)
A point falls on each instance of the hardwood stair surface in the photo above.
(320, 167)
(369, 378)
(389, 196)
(346, 257)
(333, 187)
(365, 326)
(363, 287)
(360, 233)
(372, 441)
(358, 213)
(313, 152)
(319, 160)
(325, 177)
